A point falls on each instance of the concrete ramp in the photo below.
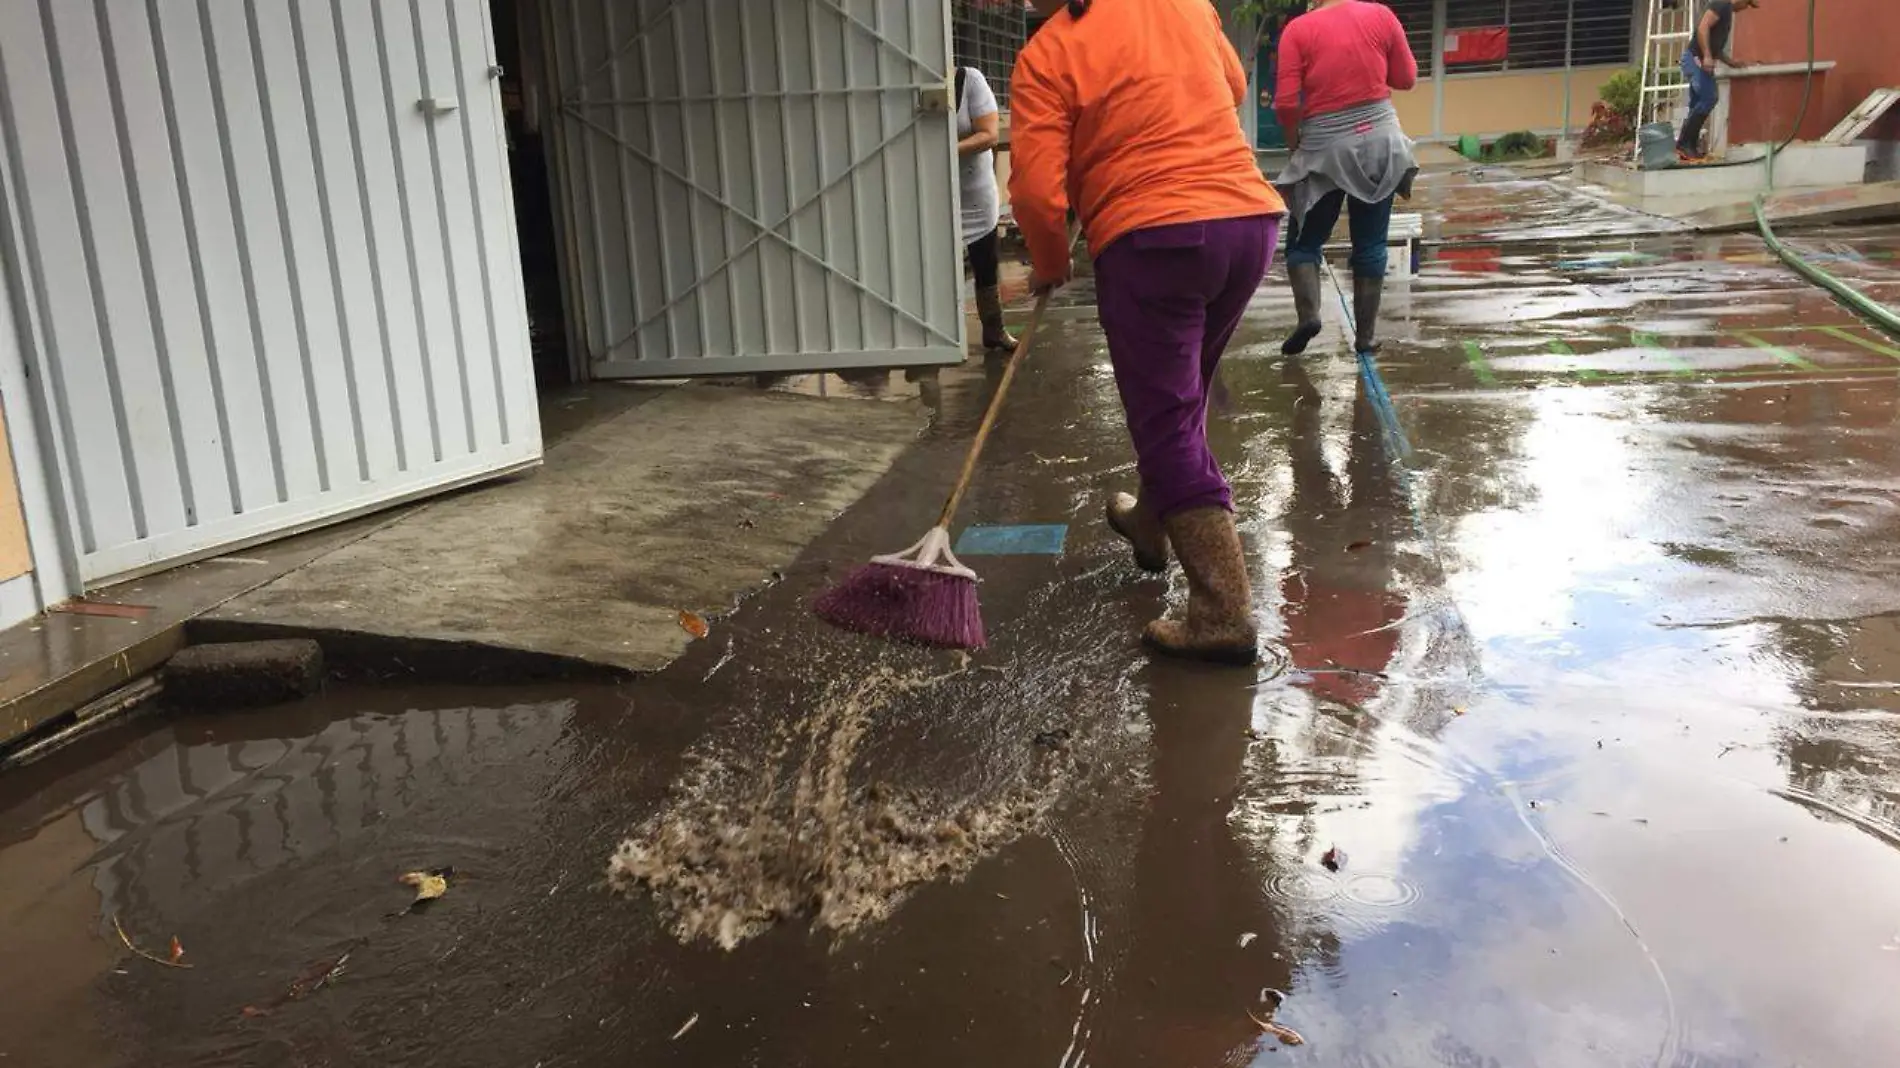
(677, 504)
(1870, 203)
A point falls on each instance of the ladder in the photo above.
(1665, 93)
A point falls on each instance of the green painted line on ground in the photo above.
(1581, 374)
(1474, 356)
(1865, 343)
(1792, 359)
(1764, 374)
(1677, 365)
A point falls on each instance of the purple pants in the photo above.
(1170, 298)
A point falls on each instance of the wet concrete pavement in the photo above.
(1597, 712)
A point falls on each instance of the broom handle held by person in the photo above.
(996, 406)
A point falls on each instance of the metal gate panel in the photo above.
(269, 260)
(757, 187)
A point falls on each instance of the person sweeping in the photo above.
(1339, 64)
(1125, 112)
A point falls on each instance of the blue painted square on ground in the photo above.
(1035, 540)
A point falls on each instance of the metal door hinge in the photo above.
(935, 100)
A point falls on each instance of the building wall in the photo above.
(1858, 36)
(1415, 108)
(1491, 104)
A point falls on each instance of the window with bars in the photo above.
(1536, 34)
(1416, 17)
(987, 34)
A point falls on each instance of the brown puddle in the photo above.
(1591, 763)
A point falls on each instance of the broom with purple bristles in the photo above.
(924, 594)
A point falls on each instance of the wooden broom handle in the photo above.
(996, 406)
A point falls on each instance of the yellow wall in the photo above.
(1415, 109)
(1504, 103)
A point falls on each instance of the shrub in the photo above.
(1623, 94)
(1520, 145)
(1607, 127)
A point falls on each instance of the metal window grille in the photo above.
(987, 34)
(1547, 34)
(1416, 17)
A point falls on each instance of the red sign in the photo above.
(1477, 44)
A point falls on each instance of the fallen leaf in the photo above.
(153, 957)
(694, 625)
(429, 884)
(1247, 939)
(252, 1012)
(1286, 1035)
(1333, 859)
(178, 950)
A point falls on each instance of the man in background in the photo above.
(1708, 44)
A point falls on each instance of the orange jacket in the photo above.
(1128, 115)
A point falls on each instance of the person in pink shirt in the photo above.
(1339, 65)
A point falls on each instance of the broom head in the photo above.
(922, 595)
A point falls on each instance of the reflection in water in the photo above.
(1230, 887)
(200, 815)
(1205, 943)
(255, 838)
(1341, 608)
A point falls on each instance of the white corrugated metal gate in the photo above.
(267, 261)
(757, 186)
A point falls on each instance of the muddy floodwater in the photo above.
(1578, 743)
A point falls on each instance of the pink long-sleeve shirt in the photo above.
(1341, 56)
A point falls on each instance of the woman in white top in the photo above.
(978, 130)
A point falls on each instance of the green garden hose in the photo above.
(1872, 310)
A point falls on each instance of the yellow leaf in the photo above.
(429, 885)
(694, 625)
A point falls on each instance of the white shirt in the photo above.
(976, 174)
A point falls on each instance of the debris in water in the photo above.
(1247, 939)
(178, 951)
(694, 624)
(685, 1027)
(1279, 996)
(1358, 546)
(307, 982)
(1333, 860)
(1286, 1035)
(1056, 739)
(764, 834)
(724, 659)
(430, 884)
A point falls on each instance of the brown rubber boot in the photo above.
(1219, 625)
(989, 310)
(1144, 533)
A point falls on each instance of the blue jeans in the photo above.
(1370, 223)
(1704, 92)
